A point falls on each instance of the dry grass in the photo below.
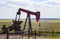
(46, 25)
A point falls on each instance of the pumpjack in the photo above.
(37, 14)
(16, 26)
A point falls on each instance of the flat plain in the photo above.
(45, 26)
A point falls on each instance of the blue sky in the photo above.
(47, 8)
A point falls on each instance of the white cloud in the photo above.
(30, 3)
(57, 2)
(2, 2)
(47, 10)
(12, 5)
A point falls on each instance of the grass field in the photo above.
(46, 25)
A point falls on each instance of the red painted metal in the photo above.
(37, 14)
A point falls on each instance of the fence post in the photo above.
(35, 34)
(7, 34)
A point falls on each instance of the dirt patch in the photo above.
(4, 36)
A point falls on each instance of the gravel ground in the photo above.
(20, 37)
